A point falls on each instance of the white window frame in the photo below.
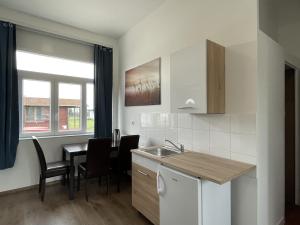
(54, 109)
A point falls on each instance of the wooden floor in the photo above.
(25, 208)
(293, 216)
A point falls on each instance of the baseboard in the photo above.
(281, 221)
(35, 186)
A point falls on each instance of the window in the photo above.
(69, 106)
(55, 98)
(90, 118)
(36, 106)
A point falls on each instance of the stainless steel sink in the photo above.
(162, 151)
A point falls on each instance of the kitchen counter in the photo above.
(216, 169)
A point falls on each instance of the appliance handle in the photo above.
(160, 187)
(141, 172)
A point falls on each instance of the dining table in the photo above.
(79, 149)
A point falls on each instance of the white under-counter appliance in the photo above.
(187, 200)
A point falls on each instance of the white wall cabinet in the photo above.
(198, 79)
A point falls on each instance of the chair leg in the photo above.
(43, 189)
(68, 177)
(99, 180)
(118, 181)
(40, 184)
(107, 187)
(78, 182)
(63, 181)
(86, 189)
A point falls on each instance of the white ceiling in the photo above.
(108, 17)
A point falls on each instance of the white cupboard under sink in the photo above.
(190, 201)
(198, 79)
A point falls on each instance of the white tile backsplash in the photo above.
(158, 120)
(228, 136)
(243, 144)
(220, 153)
(156, 136)
(243, 123)
(172, 134)
(185, 137)
(185, 120)
(172, 120)
(243, 158)
(143, 137)
(220, 123)
(145, 120)
(200, 122)
(201, 141)
(219, 141)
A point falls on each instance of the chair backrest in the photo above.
(127, 143)
(40, 154)
(98, 162)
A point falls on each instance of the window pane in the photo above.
(28, 61)
(36, 106)
(69, 105)
(90, 123)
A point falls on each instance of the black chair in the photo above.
(48, 170)
(97, 162)
(123, 162)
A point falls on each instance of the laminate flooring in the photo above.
(25, 207)
(292, 216)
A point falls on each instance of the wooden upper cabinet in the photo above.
(198, 79)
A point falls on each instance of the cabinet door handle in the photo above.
(141, 172)
(187, 107)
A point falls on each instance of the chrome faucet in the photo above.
(181, 148)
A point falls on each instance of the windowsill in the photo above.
(56, 136)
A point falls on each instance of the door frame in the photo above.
(297, 131)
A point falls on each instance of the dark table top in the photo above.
(81, 148)
(74, 148)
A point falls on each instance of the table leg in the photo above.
(64, 159)
(72, 178)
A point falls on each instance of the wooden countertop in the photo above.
(204, 166)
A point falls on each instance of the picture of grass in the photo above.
(74, 124)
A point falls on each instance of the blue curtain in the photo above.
(103, 91)
(9, 108)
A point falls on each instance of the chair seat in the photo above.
(57, 165)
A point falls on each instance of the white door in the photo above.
(179, 198)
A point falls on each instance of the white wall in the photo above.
(289, 38)
(270, 131)
(268, 17)
(177, 24)
(280, 20)
(26, 169)
(288, 26)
